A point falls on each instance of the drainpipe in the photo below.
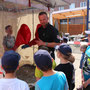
(87, 14)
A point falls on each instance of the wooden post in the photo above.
(83, 23)
(59, 25)
(53, 21)
(67, 25)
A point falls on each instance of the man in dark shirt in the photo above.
(46, 34)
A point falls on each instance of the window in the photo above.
(83, 4)
(64, 21)
(72, 6)
(61, 8)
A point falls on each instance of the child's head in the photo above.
(65, 39)
(88, 33)
(43, 60)
(65, 51)
(43, 48)
(83, 48)
(10, 61)
(8, 29)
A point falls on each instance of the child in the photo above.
(86, 66)
(38, 72)
(65, 39)
(8, 40)
(10, 63)
(82, 49)
(64, 52)
(51, 79)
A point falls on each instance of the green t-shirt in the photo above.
(38, 72)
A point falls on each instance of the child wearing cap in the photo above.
(51, 79)
(86, 66)
(8, 40)
(65, 39)
(38, 72)
(64, 52)
(82, 49)
(10, 63)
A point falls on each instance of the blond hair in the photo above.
(70, 57)
(84, 46)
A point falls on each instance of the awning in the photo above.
(41, 4)
(70, 13)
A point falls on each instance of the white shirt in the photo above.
(13, 84)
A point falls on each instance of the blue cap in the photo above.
(10, 60)
(43, 59)
(65, 49)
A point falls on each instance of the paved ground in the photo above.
(77, 54)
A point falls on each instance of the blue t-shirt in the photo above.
(57, 81)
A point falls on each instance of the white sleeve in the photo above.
(27, 87)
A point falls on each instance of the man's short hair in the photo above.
(10, 61)
(7, 27)
(41, 13)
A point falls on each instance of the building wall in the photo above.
(78, 20)
(77, 3)
(74, 29)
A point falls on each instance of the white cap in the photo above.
(87, 32)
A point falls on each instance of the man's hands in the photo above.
(40, 42)
(25, 46)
